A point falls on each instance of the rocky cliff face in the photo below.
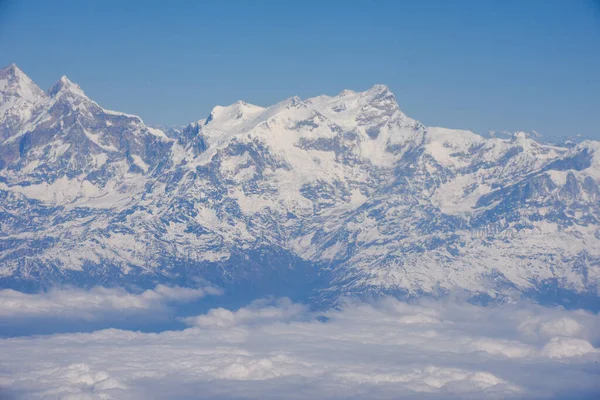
(324, 196)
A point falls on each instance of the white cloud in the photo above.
(567, 347)
(278, 349)
(87, 304)
(258, 312)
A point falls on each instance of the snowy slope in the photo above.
(337, 194)
(19, 100)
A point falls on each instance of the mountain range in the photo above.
(310, 198)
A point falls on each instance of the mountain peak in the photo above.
(15, 83)
(12, 73)
(346, 92)
(11, 70)
(65, 85)
(63, 79)
(381, 98)
(378, 90)
(232, 115)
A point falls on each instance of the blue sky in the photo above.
(479, 65)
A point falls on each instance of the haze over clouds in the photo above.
(275, 349)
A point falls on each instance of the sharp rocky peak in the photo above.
(379, 94)
(12, 71)
(65, 85)
(378, 88)
(14, 82)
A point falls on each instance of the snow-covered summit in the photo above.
(63, 86)
(63, 136)
(14, 83)
(19, 98)
(365, 112)
(235, 116)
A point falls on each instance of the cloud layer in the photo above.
(278, 349)
(63, 310)
(80, 303)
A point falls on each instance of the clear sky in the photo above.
(479, 65)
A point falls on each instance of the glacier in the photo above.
(314, 199)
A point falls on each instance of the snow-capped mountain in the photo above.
(334, 195)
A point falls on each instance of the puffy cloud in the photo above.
(278, 349)
(80, 303)
(566, 347)
(79, 310)
(258, 312)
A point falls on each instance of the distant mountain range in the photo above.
(315, 198)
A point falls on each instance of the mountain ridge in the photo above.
(331, 195)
